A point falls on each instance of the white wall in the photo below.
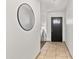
(22, 44)
(69, 27)
(55, 14)
(47, 13)
(46, 19)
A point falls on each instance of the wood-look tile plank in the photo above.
(54, 50)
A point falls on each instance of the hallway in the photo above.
(31, 22)
(54, 50)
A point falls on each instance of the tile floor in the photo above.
(54, 50)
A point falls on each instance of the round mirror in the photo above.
(25, 17)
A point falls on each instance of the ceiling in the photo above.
(53, 5)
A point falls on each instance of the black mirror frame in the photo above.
(18, 16)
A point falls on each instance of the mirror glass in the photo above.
(25, 17)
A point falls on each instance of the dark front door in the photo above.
(56, 29)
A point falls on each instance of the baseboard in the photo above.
(68, 50)
(37, 55)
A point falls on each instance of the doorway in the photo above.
(56, 29)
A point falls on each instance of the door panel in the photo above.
(56, 29)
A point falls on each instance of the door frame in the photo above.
(62, 28)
